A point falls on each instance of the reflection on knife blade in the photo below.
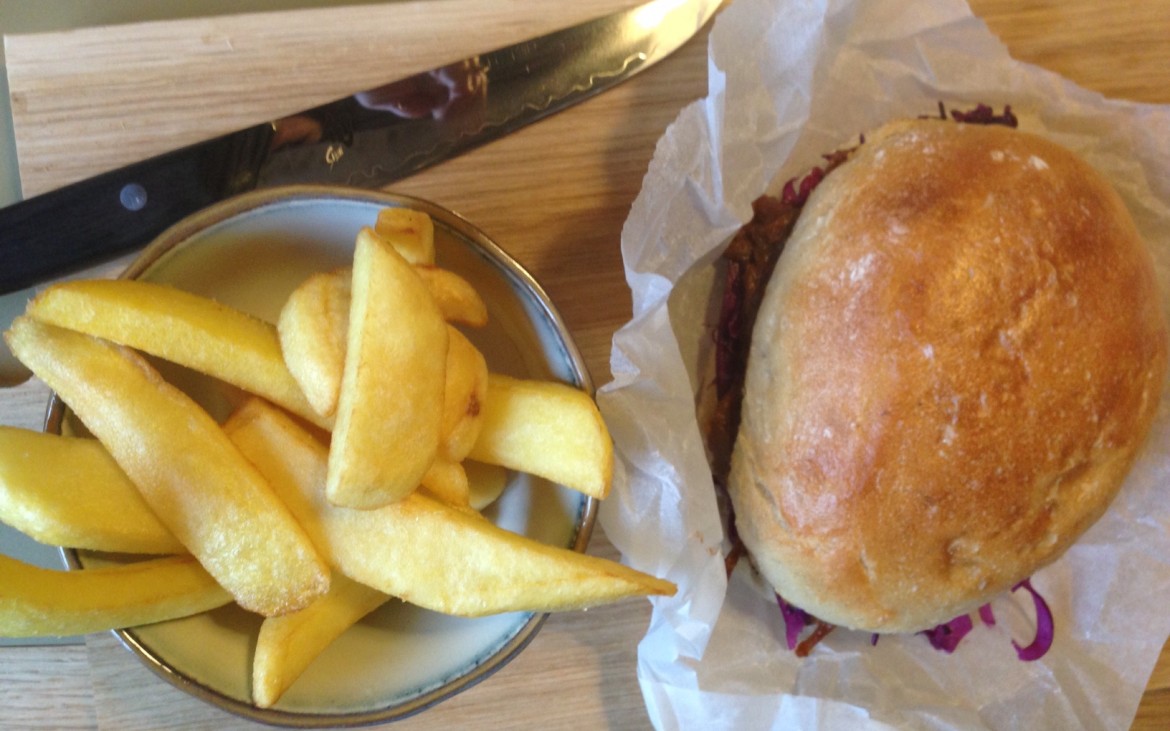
(393, 130)
(367, 140)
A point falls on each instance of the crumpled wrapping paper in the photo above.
(790, 80)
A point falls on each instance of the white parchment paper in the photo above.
(789, 80)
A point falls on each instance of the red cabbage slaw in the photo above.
(945, 637)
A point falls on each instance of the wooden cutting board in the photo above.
(93, 99)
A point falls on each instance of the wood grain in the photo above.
(1119, 49)
(46, 688)
(124, 93)
(555, 195)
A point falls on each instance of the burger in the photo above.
(938, 357)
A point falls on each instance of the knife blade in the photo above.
(368, 139)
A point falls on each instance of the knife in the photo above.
(366, 140)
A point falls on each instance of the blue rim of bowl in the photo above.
(522, 280)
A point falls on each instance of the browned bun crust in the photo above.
(953, 368)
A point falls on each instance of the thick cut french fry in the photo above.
(37, 602)
(447, 482)
(288, 645)
(432, 555)
(181, 327)
(485, 483)
(456, 297)
(198, 484)
(312, 328)
(464, 391)
(69, 491)
(547, 429)
(410, 232)
(390, 408)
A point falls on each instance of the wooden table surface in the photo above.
(555, 195)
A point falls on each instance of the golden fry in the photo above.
(390, 407)
(447, 482)
(37, 602)
(312, 327)
(547, 429)
(314, 323)
(464, 391)
(485, 483)
(456, 298)
(410, 232)
(288, 645)
(181, 327)
(198, 484)
(69, 491)
(418, 549)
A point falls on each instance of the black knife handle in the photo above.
(96, 219)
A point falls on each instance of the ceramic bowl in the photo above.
(250, 252)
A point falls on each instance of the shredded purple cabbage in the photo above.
(795, 620)
(946, 637)
(1045, 626)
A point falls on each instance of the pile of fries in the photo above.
(355, 471)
